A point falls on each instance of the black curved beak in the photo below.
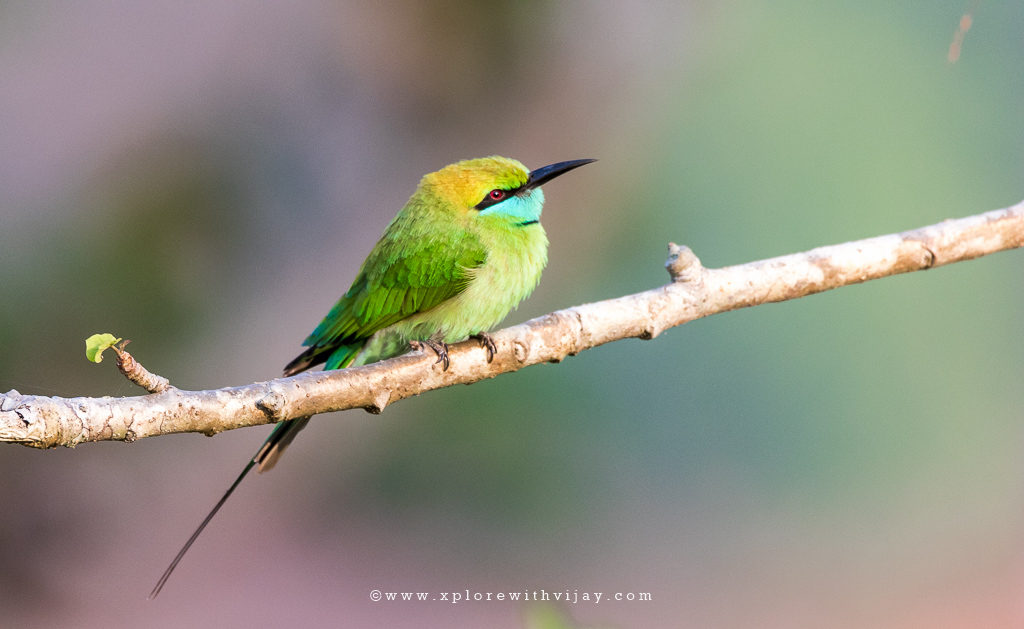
(545, 174)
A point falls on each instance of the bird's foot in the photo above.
(440, 348)
(486, 340)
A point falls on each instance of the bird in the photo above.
(462, 253)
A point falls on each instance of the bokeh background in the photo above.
(205, 179)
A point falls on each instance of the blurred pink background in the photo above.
(206, 178)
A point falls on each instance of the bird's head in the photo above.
(496, 187)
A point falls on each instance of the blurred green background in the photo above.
(205, 179)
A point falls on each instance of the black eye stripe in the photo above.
(488, 201)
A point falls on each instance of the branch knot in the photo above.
(682, 264)
(273, 405)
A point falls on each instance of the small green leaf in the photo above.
(95, 344)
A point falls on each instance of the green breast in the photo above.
(513, 267)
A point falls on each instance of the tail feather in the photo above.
(278, 440)
(310, 358)
(284, 434)
(336, 357)
(199, 529)
(271, 450)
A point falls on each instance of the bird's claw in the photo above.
(440, 348)
(487, 341)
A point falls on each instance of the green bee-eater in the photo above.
(463, 252)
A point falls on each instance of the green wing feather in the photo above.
(401, 277)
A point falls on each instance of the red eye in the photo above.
(496, 195)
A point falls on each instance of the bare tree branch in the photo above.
(695, 292)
